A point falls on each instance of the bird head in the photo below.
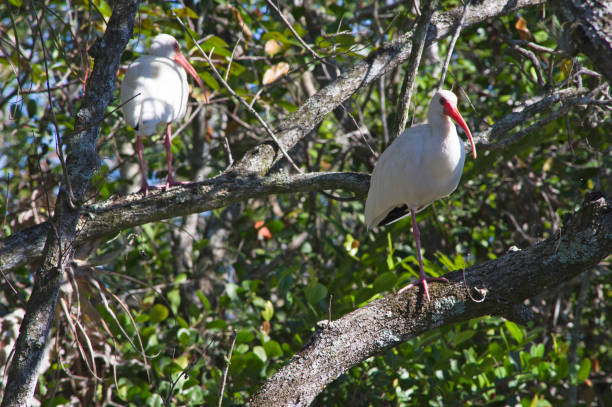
(444, 103)
(166, 46)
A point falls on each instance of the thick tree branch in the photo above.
(585, 240)
(588, 29)
(81, 163)
(110, 217)
(569, 98)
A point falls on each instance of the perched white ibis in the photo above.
(422, 165)
(154, 91)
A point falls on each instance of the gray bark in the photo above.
(588, 29)
(81, 163)
(110, 217)
(335, 347)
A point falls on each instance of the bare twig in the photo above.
(569, 97)
(58, 144)
(228, 359)
(173, 385)
(451, 45)
(295, 34)
(578, 98)
(418, 43)
(534, 61)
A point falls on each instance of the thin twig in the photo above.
(240, 99)
(228, 360)
(418, 43)
(229, 63)
(534, 61)
(58, 143)
(174, 382)
(451, 46)
(295, 34)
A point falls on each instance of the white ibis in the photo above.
(422, 165)
(153, 92)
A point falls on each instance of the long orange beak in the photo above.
(182, 61)
(454, 114)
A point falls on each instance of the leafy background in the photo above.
(149, 317)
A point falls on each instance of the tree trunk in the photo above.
(588, 29)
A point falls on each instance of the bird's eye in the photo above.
(176, 46)
(442, 101)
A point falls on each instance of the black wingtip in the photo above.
(394, 214)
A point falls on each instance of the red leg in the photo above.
(422, 277)
(143, 172)
(168, 144)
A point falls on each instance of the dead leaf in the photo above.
(275, 72)
(521, 27)
(246, 31)
(272, 47)
(262, 231)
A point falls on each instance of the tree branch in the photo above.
(585, 240)
(588, 29)
(418, 41)
(569, 98)
(110, 217)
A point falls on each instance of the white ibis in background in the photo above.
(422, 165)
(154, 91)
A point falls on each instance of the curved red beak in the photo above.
(182, 61)
(451, 111)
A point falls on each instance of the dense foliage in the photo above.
(148, 317)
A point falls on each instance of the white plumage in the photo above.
(154, 91)
(422, 165)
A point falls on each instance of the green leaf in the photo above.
(244, 336)
(209, 80)
(261, 353)
(463, 336)
(216, 42)
(268, 311)
(186, 337)
(515, 331)
(390, 263)
(385, 281)
(584, 370)
(562, 369)
(344, 39)
(174, 296)
(273, 349)
(537, 351)
(204, 300)
(315, 293)
(182, 323)
(217, 324)
(103, 8)
(158, 313)
(232, 291)
(185, 12)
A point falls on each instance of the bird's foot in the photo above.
(145, 189)
(425, 287)
(171, 182)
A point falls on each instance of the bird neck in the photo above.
(441, 125)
